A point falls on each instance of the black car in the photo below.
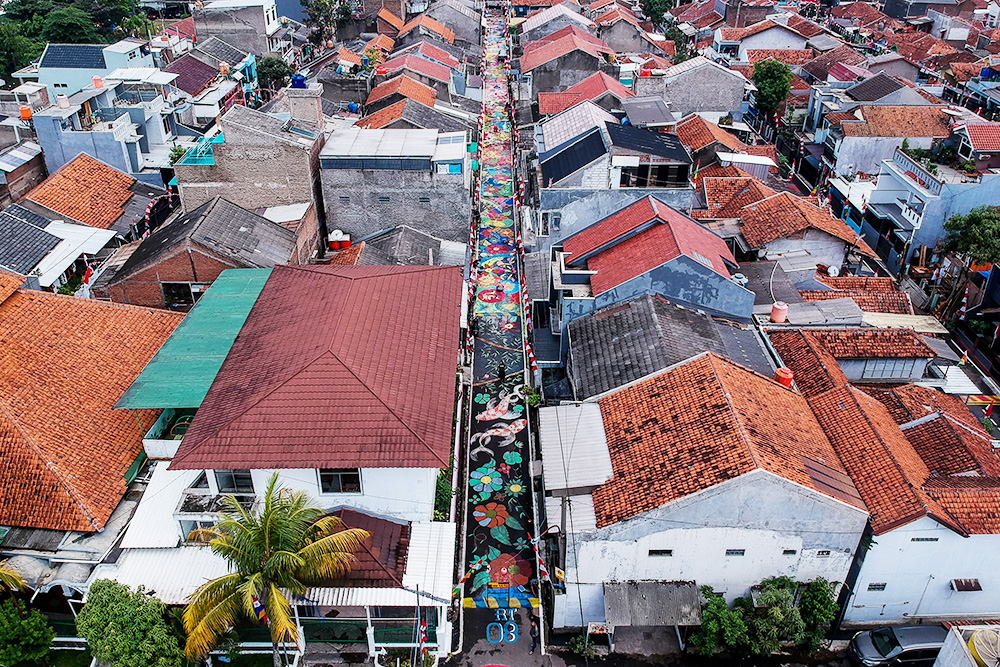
(899, 646)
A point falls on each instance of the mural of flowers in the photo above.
(514, 487)
(486, 479)
(521, 543)
(504, 468)
(482, 398)
(490, 515)
(507, 569)
(512, 458)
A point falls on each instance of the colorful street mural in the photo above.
(499, 526)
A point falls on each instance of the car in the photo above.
(898, 646)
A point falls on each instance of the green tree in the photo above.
(69, 25)
(126, 628)
(975, 234)
(773, 80)
(289, 544)
(19, 11)
(818, 609)
(321, 18)
(775, 618)
(721, 627)
(656, 9)
(25, 641)
(16, 50)
(110, 15)
(273, 73)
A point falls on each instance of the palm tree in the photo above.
(288, 545)
(9, 578)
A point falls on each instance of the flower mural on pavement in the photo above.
(490, 515)
(510, 570)
(486, 479)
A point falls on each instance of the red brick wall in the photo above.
(187, 265)
(307, 238)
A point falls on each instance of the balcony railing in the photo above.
(917, 172)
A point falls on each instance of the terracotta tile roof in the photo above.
(787, 56)
(693, 11)
(745, 70)
(984, 136)
(739, 34)
(667, 46)
(405, 86)
(382, 117)
(803, 26)
(348, 257)
(553, 103)
(873, 283)
(184, 27)
(700, 424)
(381, 560)
(549, 51)
(918, 46)
(322, 373)
(714, 170)
(949, 447)
(622, 223)
(431, 25)
(86, 190)
(812, 354)
(349, 57)
(707, 20)
(975, 502)
(66, 361)
(657, 245)
(885, 467)
(390, 18)
(653, 61)
(9, 283)
(431, 70)
(765, 150)
(870, 301)
(909, 402)
(696, 133)
(965, 71)
(381, 43)
(784, 214)
(725, 197)
(432, 52)
(899, 121)
(614, 16)
(594, 86)
(559, 34)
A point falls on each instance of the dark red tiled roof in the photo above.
(336, 367)
(984, 136)
(870, 301)
(428, 68)
(381, 560)
(550, 50)
(593, 87)
(705, 422)
(192, 74)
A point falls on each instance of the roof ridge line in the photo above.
(385, 405)
(732, 410)
(52, 468)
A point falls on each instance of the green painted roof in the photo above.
(185, 367)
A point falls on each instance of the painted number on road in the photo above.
(503, 632)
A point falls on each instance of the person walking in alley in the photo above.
(502, 372)
(534, 637)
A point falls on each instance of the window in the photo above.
(383, 200)
(133, 54)
(923, 539)
(555, 221)
(789, 552)
(188, 527)
(340, 480)
(876, 587)
(888, 368)
(345, 200)
(661, 552)
(177, 295)
(823, 553)
(736, 552)
(425, 200)
(234, 481)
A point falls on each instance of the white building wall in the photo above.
(398, 493)
(775, 38)
(814, 247)
(865, 154)
(759, 512)
(917, 576)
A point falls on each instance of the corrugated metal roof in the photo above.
(580, 516)
(15, 156)
(652, 603)
(75, 240)
(182, 371)
(574, 447)
(357, 142)
(169, 574)
(153, 525)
